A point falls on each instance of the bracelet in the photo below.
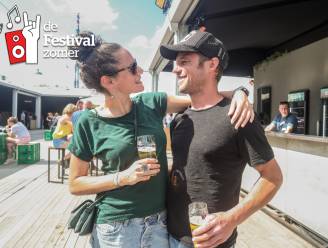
(242, 88)
(116, 181)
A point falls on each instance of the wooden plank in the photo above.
(82, 241)
(61, 226)
(43, 221)
(29, 213)
(66, 233)
(261, 231)
(34, 213)
(55, 221)
(19, 198)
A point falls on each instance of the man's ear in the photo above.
(214, 63)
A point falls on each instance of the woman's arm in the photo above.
(82, 184)
(241, 110)
(177, 104)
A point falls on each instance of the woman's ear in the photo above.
(106, 82)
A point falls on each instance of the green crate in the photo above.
(47, 135)
(3, 157)
(3, 142)
(28, 153)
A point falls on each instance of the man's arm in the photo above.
(292, 124)
(263, 191)
(289, 129)
(222, 224)
(270, 127)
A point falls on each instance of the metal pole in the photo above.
(324, 119)
(77, 69)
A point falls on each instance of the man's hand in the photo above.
(218, 229)
(241, 110)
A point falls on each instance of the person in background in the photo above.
(79, 105)
(64, 130)
(54, 122)
(27, 120)
(22, 117)
(49, 120)
(284, 122)
(17, 134)
(167, 119)
(76, 115)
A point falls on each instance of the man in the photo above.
(22, 117)
(17, 134)
(209, 155)
(81, 107)
(284, 122)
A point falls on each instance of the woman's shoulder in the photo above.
(88, 117)
(149, 96)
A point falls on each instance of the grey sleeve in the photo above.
(255, 148)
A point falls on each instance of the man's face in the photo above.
(88, 105)
(80, 105)
(190, 74)
(283, 109)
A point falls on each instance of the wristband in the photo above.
(242, 88)
(116, 180)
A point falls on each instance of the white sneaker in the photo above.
(10, 161)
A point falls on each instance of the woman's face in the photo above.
(128, 78)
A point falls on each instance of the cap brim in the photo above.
(170, 52)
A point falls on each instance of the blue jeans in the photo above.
(147, 232)
(174, 243)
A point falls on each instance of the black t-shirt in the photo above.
(209, 157)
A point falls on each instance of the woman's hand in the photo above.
(141, 170)
(241, 110)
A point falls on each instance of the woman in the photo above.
(64, 130)
(17, 134)
(133, 211)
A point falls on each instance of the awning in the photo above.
(255, 29)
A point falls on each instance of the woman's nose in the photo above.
(140, 70)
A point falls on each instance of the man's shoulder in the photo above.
(292, 117)
(277, 117)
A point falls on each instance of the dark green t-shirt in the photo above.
(112, 141)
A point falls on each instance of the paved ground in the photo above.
(34, 213)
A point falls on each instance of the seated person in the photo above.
(17, 134)
(284, 122)
(64, 130)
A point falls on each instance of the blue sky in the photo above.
(136, 17)
(132, 23)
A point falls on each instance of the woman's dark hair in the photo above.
(95, 61)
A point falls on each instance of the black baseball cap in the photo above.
(201, 42)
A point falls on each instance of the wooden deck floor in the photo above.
(34, 213)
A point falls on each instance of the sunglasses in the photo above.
(132, 68)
